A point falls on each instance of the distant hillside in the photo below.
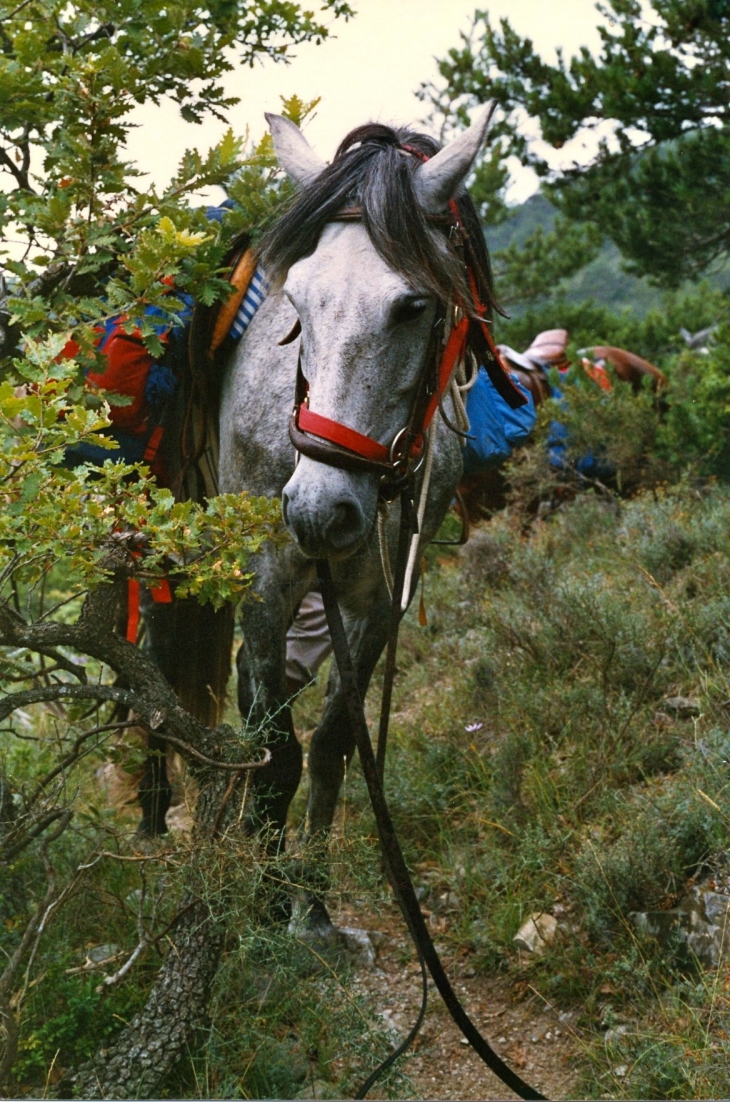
(602, 280)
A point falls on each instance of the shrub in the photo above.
(696, 429)
(654, 337)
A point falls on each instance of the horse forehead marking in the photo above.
(345, 264)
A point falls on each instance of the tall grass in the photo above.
(534, 765)
(537, 766)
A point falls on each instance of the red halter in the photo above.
(337, 433)
(342, 446)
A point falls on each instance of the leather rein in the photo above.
(339, 445)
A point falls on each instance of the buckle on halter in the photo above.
(458, 235)
(398, 461)
(401, 462)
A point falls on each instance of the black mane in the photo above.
(372, 171)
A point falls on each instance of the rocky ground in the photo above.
(529, 1035)
(537, 1041)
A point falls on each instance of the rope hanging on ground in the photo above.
(393, 859)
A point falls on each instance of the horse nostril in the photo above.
(325, 516)
(346, 523)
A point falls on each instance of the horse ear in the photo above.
(295, 154)
(437, 180)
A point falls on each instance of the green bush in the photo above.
(696, 429)
(67, 1019)
(659, 838)
(647, 441)
(654, 336)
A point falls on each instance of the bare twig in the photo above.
(66, 692)
(106, 30)
(36, 923)
(234, 766)
(21, 177)
(124, 696)
(12, 566)
(143, 943)
(230, 788)
(136, 858)
(9, 15)
(92, 965)
(66, 601)
(17, 1000)
(7, 852)
(62, 663)
(74, 753)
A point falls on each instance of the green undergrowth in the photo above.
(284, 1019)
(539, 761)
(286, 1023)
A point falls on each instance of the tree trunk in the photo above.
(155, 1040)
(148, 1049)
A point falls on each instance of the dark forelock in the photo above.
(372, 171)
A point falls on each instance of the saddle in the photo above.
(629, 367)
(191, 362)
(531, 366)
(548, 351)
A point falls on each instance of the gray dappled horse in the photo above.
(371, 296)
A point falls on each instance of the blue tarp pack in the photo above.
(496, 429)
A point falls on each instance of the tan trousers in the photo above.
(308, 642)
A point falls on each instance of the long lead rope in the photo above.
(406, 1044)
(394, 861)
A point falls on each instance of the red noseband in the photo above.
(340, 434)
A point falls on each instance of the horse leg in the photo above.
(331, 750)
(155, 791)
(191, 645)
(263, 702)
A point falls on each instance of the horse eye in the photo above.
(408, 309)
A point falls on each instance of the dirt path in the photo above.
(533, 1039)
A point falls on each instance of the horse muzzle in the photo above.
(328, 512)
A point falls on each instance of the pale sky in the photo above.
(368, 71)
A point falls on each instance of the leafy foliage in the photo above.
(538, 266)
(603, 280)
(83, 241)
(95, 243)
(697, 426)
(618, 430)
(50, 513)
(655, 104)
(656, 335)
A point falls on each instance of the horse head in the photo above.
(366, 257)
